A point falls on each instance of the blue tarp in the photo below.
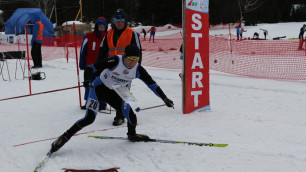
(27, 16)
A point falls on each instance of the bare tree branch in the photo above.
(46, 6)
(248, 6)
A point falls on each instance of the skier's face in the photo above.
(101, 28)
(131, 61)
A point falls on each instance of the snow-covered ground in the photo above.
(290, 30)
(262, 120)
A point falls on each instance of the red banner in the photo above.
(196, 56)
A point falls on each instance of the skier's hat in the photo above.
(132, 50)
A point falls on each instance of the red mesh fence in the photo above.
(52, 47)
(274, 59)
(163, 53)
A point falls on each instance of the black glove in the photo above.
(87, 83)
(87, 73)
(169, 102)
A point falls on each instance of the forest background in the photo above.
(161, 12)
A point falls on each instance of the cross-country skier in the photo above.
(256, 35)
(152, 31)
(119, 70)
(301, 37)
(241, 32)
(265, 32)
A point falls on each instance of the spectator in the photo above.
(301, 37)
(90, 50)
(152, 33)
(37, 38)
(238, 32)
(114, 43)
(241, 32)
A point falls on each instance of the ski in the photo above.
(43, 162)
(167, 141)
(114, 169)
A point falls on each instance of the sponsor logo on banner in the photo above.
(198, 5)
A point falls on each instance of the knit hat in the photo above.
(132, 50)
(101, 21)
(101, 24)
(120, 15)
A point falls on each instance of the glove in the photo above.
(87, 83)
(169, 102)
(87, 73)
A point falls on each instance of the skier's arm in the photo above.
(147, 79)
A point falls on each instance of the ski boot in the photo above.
(138, 138)
(58, 143)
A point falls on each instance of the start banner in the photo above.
(196, 56)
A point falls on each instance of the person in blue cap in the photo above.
(116, 39)
(90, 50)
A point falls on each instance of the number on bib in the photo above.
(93, 105)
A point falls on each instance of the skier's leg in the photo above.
(114, 100)
(89, 118)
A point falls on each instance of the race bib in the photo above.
(92, 104)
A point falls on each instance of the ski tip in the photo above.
(220, 145)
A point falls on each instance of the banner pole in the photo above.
(29, 69)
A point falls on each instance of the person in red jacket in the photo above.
(301, 37)
(152, 33)
(90, 50)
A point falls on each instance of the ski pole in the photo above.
(138, 109)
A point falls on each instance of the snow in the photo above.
(290, 30)
(262, 120)
(71, 23)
